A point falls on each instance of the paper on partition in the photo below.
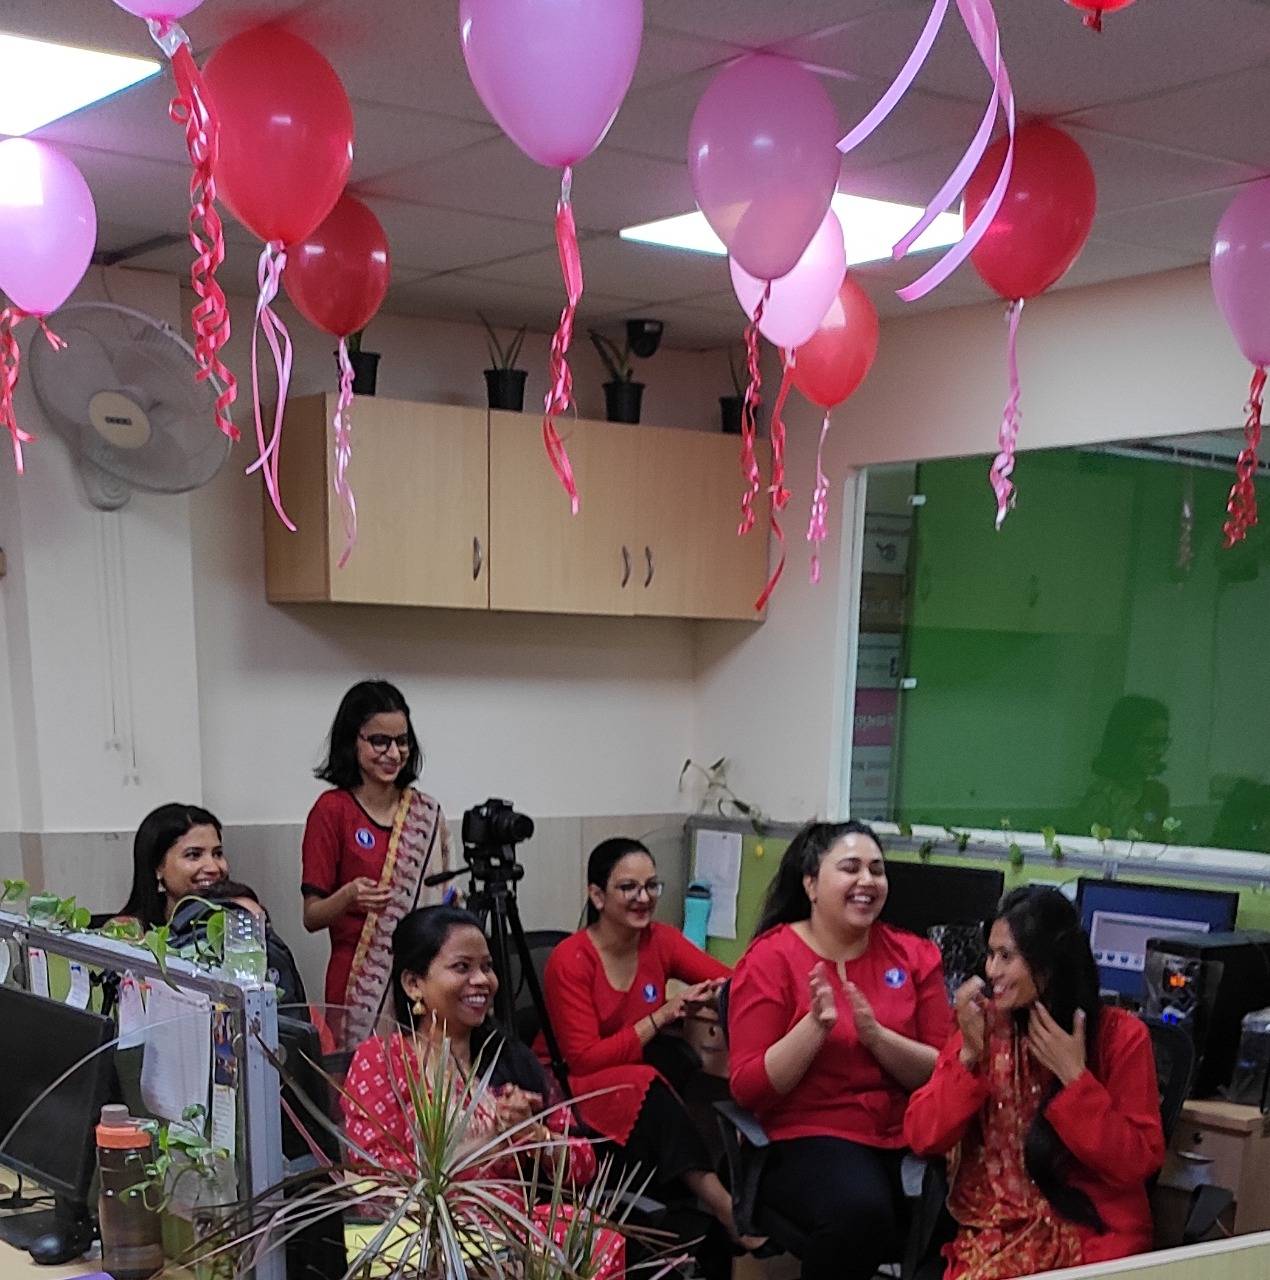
(79, 991)
(718, 864)
(177, 1065)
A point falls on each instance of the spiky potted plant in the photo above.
(623, 396)
(504, 382)
(730, 406)
(365, 365)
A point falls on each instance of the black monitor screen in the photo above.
(922, 895)
(42, 1040)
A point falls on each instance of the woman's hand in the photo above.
(686, 1002)
(970, 1006)
(364, 894)
(514, 1106)
(1054, 1048)
(824, 1004)
(866, 1022)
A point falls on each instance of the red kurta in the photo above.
(341, 842)
(845, 1093)
(595, 1024)
(1108, 1118)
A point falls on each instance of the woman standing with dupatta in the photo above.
(368, 844)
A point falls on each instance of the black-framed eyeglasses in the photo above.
(379, 743)
(630, 890)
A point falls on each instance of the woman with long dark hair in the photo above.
(1050, 1101)
(176, 853)
(833, 1018)
(368, 843)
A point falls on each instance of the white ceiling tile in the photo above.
(1185, 225)
(393, 138)
(1102, 260)
(757, 23)
(134, 122)
(666, 55)
(427, 239)
(237, 274)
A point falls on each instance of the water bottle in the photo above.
(245, 957)
(131, 1232)
(696, 913)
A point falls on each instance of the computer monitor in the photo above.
(41, 1042)
(1120, 917)
(925, 894)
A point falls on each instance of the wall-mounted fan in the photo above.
(124, 397)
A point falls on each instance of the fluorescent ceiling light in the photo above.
(869, 228)
(40, 82)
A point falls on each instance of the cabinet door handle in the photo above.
(626, 566)
(648, 557)
(478, 558)
(1194, 1157)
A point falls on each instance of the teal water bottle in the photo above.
(697, 913)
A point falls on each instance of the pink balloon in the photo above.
(800, 299)
(170, 9)
(1240, 268)
(764, 162)
(552, 73)
(48, 225)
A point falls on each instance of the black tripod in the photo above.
(491, 898)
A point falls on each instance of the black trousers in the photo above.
(846, 1199)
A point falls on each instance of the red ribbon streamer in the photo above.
(1241, 506)
(10, 368)
(192, 108)
(273, 260)
(560, 376)
(749, 420)
(780, 494)
(342, 426)
(1007, 437)
(1094, 21)
(817, 526)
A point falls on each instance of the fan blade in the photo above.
(65, 381)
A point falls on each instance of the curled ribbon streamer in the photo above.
(273, 260)
(749, 421)
(1241, 506)
(780, 494)
(10, 368)
(1007, 437)
(817, 526)
(981, 25)
(342, 426)
(560, 376)
(193, 110)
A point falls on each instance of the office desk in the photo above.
(1225, 1145)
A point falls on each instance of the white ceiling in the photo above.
(1170, 103)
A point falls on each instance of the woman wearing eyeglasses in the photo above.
(605, 989)
(368, 844)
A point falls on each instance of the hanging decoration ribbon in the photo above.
(559, 376)
(273, 259)
(10, 368)
(343, 445)
(780, 494)
(192, 108)
(981, 25)
(1241, 506)
(1007, 437)
(818, 525)
(749, 418)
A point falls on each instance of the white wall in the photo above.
(1142, 357)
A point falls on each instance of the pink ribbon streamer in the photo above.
(780, 494)
(981, 25)
(273, 261)
(1241, 506)
(818, 525)
(192, 108)
(560, 376)
(342, 426)
(749, 419)
(10, 369)
(1007, 437)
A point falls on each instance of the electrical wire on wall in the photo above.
(115, 646)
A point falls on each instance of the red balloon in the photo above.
(1094, 9)
(1044, 220)
(337, 275)
(286, 132)
(832, 363)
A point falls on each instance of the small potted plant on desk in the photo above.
(365, 365)
(730, 407)
(622, 394)
(504, 382)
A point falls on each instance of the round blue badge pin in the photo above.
(895, 978)
(650, 992)
(364, 838)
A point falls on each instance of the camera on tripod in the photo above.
(495, 824)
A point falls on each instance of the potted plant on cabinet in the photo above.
(504, 382)
(622, 394)
(730, 407)
(365, 365)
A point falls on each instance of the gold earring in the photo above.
(418, 1007)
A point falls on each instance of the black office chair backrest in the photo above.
(541, 942)
(1174, 1068)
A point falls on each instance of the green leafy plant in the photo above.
(960, 838)
(617, 360)
(1050, 838)
(719, 796)
(181, 1151)
(503, 357)
(904, 829)
(354, 342)
(12, 890)
(1172, 829)
(925, 849)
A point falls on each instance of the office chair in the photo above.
(542, 942)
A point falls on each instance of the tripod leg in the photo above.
(498, 936)
(530, 975)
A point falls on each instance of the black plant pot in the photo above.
(505, 388)
(622, 401)
(365, 371)
(730, 413)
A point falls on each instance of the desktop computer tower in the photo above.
(1207, 982)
